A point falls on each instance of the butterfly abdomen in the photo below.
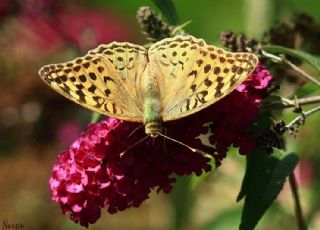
(152, 107)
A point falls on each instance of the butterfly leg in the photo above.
(135, 130)
(165, 130)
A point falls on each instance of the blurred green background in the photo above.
(36, 123)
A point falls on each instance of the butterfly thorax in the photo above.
(152, 107)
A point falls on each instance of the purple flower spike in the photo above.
(105, 169)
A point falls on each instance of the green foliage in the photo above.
(95, 117)
(307, 89)
(225, 220)
(311, 59)
(263, 122)
(168, 9)
(182, 200)
(263, 181)
(198, 180)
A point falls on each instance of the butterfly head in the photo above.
(153, 128)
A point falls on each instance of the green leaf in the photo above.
(309, 58)
(168, 9)
(259, 166)
(263, 181)
(284, 168)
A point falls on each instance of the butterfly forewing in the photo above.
(104, 80)
(205, 75)
(130, 61)
(190, 74)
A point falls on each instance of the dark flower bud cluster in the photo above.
(283, 34)
(272, 138)
(114, 166)
(237, 43)
(152, 25)
(301, 32)
(305, 24)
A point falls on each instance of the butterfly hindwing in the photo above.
(104, 80)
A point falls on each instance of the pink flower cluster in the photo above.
(104, 169)
(232, 115)
(95, 172)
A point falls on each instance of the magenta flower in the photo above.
(45, 26)
(102, 170)
(6, 8)
(88, 28)
(67, 132)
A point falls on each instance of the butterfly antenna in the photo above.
(135, 130)
(179, 142)
(138, 142)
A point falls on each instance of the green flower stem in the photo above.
(300, 119)
(298, 210)
(288, 103)
(300, 71)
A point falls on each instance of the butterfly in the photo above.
(174, 78)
